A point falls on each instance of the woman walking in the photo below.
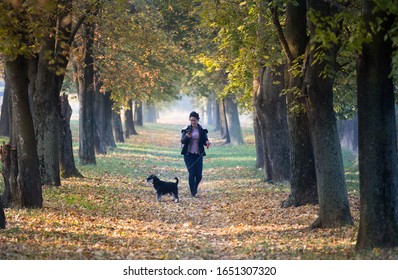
(194, 138)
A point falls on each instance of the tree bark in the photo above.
(276, 134)
(138, 115)
(334, 209)
(47, 118)
(259, 111)
(209, 110)
(223, 122)
(129, 121)
(28, 191)
(117, 127)
(99, 119)
(5, 155)
(86, 100)
(13, 193)
(258, 142)
(108, 130)
(67, 160)
(302, 165)
(378, 174)
(5, 119)
(46, 73)
(217, 117)
(232, 115)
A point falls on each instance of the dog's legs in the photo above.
(158, 196)
(175, 195)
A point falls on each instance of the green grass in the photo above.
(350, 161)
(126, 159)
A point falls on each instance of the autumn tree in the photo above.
(135, 58)
(52, 34)
(86, 90)
(67, 162)
(378, 174)
(293, 40)
(25, 183)
(318, 90)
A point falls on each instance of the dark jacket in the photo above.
(202, 140)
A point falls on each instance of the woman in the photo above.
(194, 138)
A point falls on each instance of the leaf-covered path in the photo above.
(112, 214)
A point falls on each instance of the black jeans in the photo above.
(194, 164)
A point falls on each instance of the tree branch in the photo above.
(281, 35)
(75, 29)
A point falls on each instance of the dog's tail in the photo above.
(176, 180)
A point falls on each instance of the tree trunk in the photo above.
(217, 118)
(99, 119)
(276, 134)
(12, 196)
(47, 119)
(260, 150)
(5, 156)
(259, 111)
(67, 160)
(209, 110)
(108, 137)
(258, 142)
(117, 127)
(232, 115)
(28, 185)
(302, 165)
(378, 174)
(2, 217)
(86, 100)
(5, 119)
(223, 122)
(129, 121)
(334, 209)
(138, 115)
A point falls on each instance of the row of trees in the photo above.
(297, 94)
(115, 54)
(112, 51)
(289, 61)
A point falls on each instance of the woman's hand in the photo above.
(188, 134)
(207, 144)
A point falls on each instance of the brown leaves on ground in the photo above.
(114, 215)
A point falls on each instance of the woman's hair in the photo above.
(194, 114)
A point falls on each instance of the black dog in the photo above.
(162, 187)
